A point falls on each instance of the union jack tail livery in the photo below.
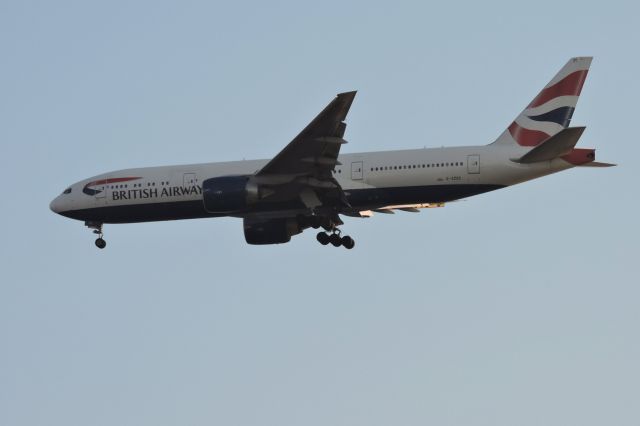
(550, 111)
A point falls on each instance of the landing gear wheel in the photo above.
(335, 240)
(347, 242)
(100, 243)
(97, 229)
(322, 238)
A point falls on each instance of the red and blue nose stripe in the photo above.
(90, 191)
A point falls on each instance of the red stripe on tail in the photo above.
(526, 137)
(571, 85)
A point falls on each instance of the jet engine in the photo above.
(229, 194)
(272, 231)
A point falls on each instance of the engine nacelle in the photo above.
(273, 231)
(229, 194)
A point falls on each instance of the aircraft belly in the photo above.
(364, 198)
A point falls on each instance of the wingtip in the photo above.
(344, 94)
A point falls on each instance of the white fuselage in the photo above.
(430, 169)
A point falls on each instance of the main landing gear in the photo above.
(335, 239)
(97, 229)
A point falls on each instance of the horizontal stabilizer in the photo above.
(556, 146)
(597, 164)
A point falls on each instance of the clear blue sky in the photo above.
(515, 307)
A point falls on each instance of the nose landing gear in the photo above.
(100, 243)
(97, 229)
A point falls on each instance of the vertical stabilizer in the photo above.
(551, 110)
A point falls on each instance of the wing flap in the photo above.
(331, 139)
(322, 161)
(410, 208)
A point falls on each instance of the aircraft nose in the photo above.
(55, 205)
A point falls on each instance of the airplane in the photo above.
(309, 184)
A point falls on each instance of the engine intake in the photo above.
(229, 194)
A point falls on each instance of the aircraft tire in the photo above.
(348, 242)
(100, 243)
(322, 238)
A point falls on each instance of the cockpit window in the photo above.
(67, 191)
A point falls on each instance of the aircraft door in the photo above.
(356, 170)
(473, 164)
(101, 191)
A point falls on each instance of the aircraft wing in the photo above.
(314, 152)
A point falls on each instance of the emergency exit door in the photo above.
(101, 188)
(356, 170)
(473, 164)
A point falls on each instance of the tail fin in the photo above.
(550, 112)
